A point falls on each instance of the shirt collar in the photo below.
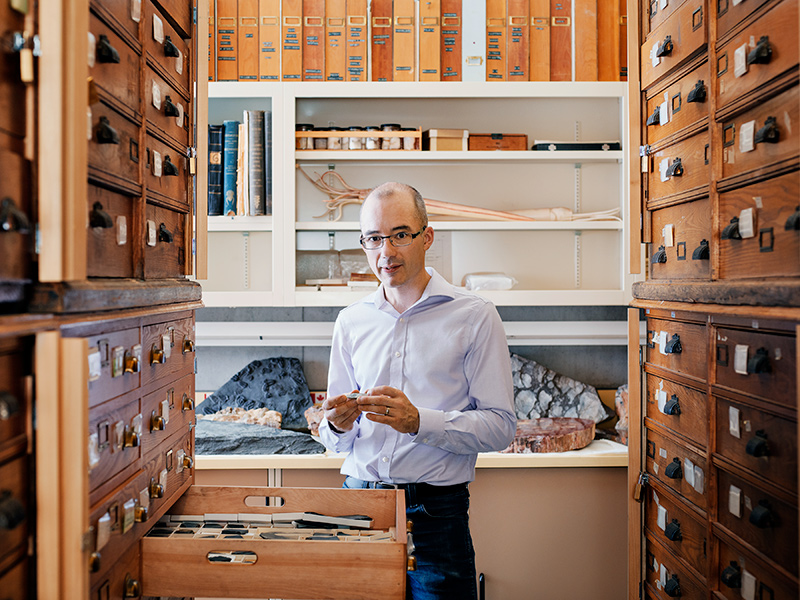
(437, 289)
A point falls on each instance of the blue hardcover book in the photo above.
(230, 150)
(214, 170)
(268, 160)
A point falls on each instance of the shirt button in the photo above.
(385, 459)
(397, 354)
(402, 319)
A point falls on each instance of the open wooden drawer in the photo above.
(281, 568)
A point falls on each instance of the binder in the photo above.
(608, 41)
(215, 133)
(212, 43)
(586, 35)
(451, 40)
(381, 43)
(269, 40)
(254, 121)
(356, 33)
(248, 40)
(495, 40)
(227, 14)
(313, 40)
(335, 30)
(518, 40)
(404, 43)
(623, 40)
(473, 41)
(561, 40)
(540, 40)
(292, 40)
(268, 161)
(230, 153)
(430, 28)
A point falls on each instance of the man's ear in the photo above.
(428, 237)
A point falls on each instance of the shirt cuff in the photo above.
(431, 426)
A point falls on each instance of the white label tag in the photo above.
(89, 123)
(92, 49)
(669, 236)
(737, 2)
(663, 575)
(661, 519)
(748, 586)
(103, 531)
(179, 457)
(163, 480)
(94, 450)
(663, 113)
(662, 452)
(179, 118)
(136, 10)
(661, 399)
(117, 361)
(165, 411)
(151, 233)
(654, 60)
(136, 424)
(166, 344)
(662, 4)
(128, 515)
(122, 230)
(746, 132)
(662, 342)
(119, 436)
(95, 364)
(156, 95)
(156, 163)
(688, 471)
(747, 223)
(699, 480)
(655, 467)
(734, 419)
(144, 499)
(645, 165)
(740, 359)
(735, 501)
(740, 61)
(179, 63)
(663, 166)
(158, 29)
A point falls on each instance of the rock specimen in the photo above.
(314, 416)
(621, 404)
(274, 383)
(213, 437)
(254, 416)
(551, 435)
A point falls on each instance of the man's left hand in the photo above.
(392, 407)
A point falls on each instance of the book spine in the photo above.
(608, 41)
(230, 149)
(212, 42)
(382, 37)
(451, 40)
(268, 162)
(623, 40)
(586, 40)
(214, 170)
(248, 40)
(430, 43)
(313, 40)
(540, 40)
(335, 30)
(242, 189)
(404, 42)
(356, 40)
(560, 40)
(269, 40)
(518, 40)
(495, 40)
(292, 40)
(227, 18)
(473, 42)
(255, 164)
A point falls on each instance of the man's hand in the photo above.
(388, 405)
(341, 412)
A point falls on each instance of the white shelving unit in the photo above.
(252, 260)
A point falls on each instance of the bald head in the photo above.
(393, 191)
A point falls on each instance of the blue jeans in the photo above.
(443, 546)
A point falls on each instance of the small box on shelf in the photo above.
(445, 140)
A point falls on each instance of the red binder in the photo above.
(451, 40)
(313, 40)
(382, 36)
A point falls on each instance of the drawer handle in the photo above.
(94, 562)
(187, 403)
(665, 47)
(698, 93)
(169, 168)
(655, 118)
(769, 133)
(105, 52)
(132, 364)
(673, 531)
(732, 576)
(758, 446)
(673, 587)
(762, 53)
(731, 231)
(672, 407)
(762, 516)
(188, 461)
(674, 469)
(675, 169)
(157, 356)
(156, 489)
(170, 49)
(164, 234)
(140, 514)
(12, 218)
(100, 219)
(759, 362)
(170, 110)
(12, 511)
(9, 405)
(188, 346)
(793, 222)
(131, 438)
(156, 422)
(673, 346)
(702, 251)
(660, 256)
(106, 134)
(132, 588)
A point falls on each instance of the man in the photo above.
(433, 364)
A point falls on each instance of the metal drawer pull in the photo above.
(769, 133)
(188, 462)
(100, 219)
(131, 364)
(156, 489)
(761, 516)
(105, 52)
(188, 346)
(169, 168)
(698, 93)
(674, 469)
(140, 514)
(673, 587)
(731, 231)
(170, 49)
(675, 169)
(762, 53)
(156, 422)
(793, 222)
(157, 356)
(106, 134)
(758, 446)
(170, 110)
(131, 438)
(701, 252)
(12, 511)
(94, 562)
(660, 256)
(673, 531)
(9, 405)
(759, 362)
(732, 576)
(655, 118)
(187, 403)
(673, 346)
(665, 47)
(132, 588)
(672, 407)
(12, 218)
(164, 234)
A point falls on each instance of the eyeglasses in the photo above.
(398, 240)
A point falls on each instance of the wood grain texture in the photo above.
(335, 40)
(609, 42)
(292, 40)
(778, 295)
(430, 27)
(636, 464)
(561, 40)
(247, 33)
(690, 223)
(382, 36)
(694, 343)
(269, 40)
(692, 422)
(540, 40)
(586, 38)
(496, 40)
(313, 40)
(356, 32)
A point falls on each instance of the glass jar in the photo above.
(335, 141)
(355, 143)
(372, 142)
(409, 141)
(321, 143)
(391, 143)
(303, 143)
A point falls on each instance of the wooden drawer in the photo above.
(773, 528)
(123, 580)
(166, 258)
(681, 409)
(780, 26)
(15, 582)
(116, 64)
(168, 350)
(115, 370)
(283, 569)
(167, 52)
(777, 120)
(685, 31)
(109, 246)
(14, 505)
(738, 566)
(179, 13)
(657, 14)
(686, 103)
(115, 433)
(167, 109)
(758, 441)
(663, 570)
(114, 148)
(12, 90)
(731, 13)
(682, 237)
(679, 169)
(15, 366)
(739, 365)
(677, 526)
(15, 244)
(167, 411)
(682, 470)
(169, 470)
(123, 15)
(771, 251)
(686, 354)
(166, 173)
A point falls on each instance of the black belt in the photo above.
(420, 490)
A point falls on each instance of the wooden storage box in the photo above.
(282, 568)
(445, 140)
(498, 141)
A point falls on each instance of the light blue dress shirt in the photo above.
(448, 353)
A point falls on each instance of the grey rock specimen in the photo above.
(276, 383)
(214, 437)
(541, 392)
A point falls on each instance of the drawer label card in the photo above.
(103, 531)
(156, 166)
(740, 359)
(669, 235)
(94, 450)
(158, 29)
(156, 95)
(122, 230)
(688, 471)
(179, 118)
(661, 519)
(740, 61)
(166, 343)
(136, 425)
(734, 420)
(663, 167)
(746, 137)
(655, 59)
(661, 398)
(95, 364)
(165, 411)
(179, 63)
(748, 586)
(663, 113)
(662, 575)
(128, 515)
(735, 501)
(151, 233)
(119, 436)
(662, 452)
(136, 10)
(181, 455)
(162, 479)
(699, 479)
(747, 223)
(117, 361)
(92, 56)
(662, 342)
(144, 498)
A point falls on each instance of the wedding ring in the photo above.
(387, 411)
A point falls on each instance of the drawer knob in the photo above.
(131, 438)
(793, 222)
(762, 53)
(170, 110)
(132, 588)
(674, 469)
(769, 133)
(170, 49)
(698, 93)
(660, 256)
(106, 134)
(169, 168)
(188, 461)
(762, 516)
(673, 587)
(702, 251)
(105, 52)
(12, 511)
(673, 346)
(675, 169)
(411, 565)
(187, 403)
(140, 514)
(731, 231)
(732, 576)
(12, 218)
(672, 407)
(655, 118)
(156, 489)
(164, 234)
(100, 219)
(758, 446)
(673, 531)
(188, 346)
(665, 47)
(156, 422)
(759, 362)
(131, 364)
(157, 356)
(94, 562)
(9, 405)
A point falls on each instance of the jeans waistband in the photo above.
(420, 490)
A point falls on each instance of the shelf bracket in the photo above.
(246, 249)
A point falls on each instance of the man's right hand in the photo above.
(340, 411)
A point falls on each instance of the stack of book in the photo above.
(406, 40)
(240, 166)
